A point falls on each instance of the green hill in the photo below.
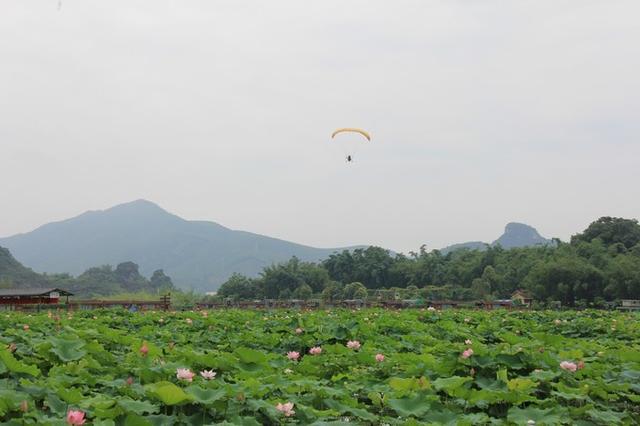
(14, 274)
(96, 281)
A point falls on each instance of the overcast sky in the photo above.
(481, 113)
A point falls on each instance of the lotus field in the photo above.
(320, 367)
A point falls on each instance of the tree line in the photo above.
(98, 281)
(600, 264)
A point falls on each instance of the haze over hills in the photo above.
(515, 235)
(195, 254)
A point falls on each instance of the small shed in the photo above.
(32, 296)
(522, 298)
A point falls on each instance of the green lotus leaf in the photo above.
(16, 366)
(250, 356)
(67, 349)
(450, 383)
(606, 417)
(103, 422)
(137, 407)
(136, 420)
(70, 395)
(417, 406)
(167, 392)
(206, 396)
(521, 385)
(540, 416)
(404, 385)
(444, 417)
(346, 409)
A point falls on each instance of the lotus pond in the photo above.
(320, 367)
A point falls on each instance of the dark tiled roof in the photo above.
(16, 292)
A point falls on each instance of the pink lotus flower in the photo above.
(24, 406)
(569, 366)
(316, 350)
(75, 417)
(129, 381)
(299, 330)
(208, 374)
(466, 354)
(580, 365)
(25, 327)
(144, 349)
(185, 374)
(468, 342)
(286, 409)
(293, 355)
(353, 344)
(379, 357)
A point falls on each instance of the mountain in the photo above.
(515, 235)
(471, 245)
(520, 235)
(195, 254)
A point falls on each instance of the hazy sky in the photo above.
(481, 113)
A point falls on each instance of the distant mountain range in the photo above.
(195, 254)
(515, 235)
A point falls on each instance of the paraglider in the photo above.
(352, 130)
(367, 136)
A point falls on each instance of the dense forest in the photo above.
(600, 264)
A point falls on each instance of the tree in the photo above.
(127, 274)
(304, 292)
(239, 287)
(611, 230)
(480, 288)
(355, 291)
(623, 278)
(567, 279)
(333, 291)
(373, 266)
(291, 275)
(160, 282)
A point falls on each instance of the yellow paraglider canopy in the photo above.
(352, 130)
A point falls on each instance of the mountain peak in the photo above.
(137, 205)
(196, 254)
(520, 235)
(515, 235)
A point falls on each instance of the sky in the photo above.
(481, 113)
